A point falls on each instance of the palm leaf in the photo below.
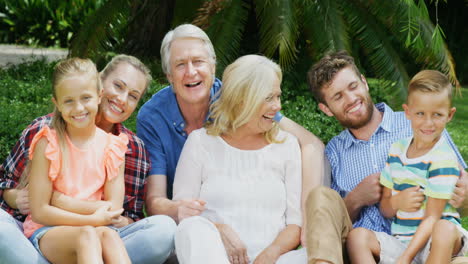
(96, 34)
(224, 22)
(279, 29)
(425, 49)
(324, 26)
(376, 43)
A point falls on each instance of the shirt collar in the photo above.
(177, 119)
(386, 125)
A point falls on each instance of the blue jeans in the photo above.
(150, 240)
(14, 246)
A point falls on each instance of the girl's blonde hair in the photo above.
(247, 82)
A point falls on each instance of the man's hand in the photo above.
(235, 248)
(188, 208)
(22, 201)
(408, 200)
(460, 191)
(369, 190)
(268, 256)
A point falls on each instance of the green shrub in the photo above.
(43, 22)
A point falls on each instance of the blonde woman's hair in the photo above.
(134, 62)
(180, 32)
(246, 84)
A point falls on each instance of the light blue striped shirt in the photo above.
(352, 160)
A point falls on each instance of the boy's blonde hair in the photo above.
(430, 81)
(246, 84)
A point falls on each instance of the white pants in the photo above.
(197, 241)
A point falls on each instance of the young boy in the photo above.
(424, 227)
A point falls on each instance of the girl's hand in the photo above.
(268, 256)
(120, 221)
(22, 201)
(105, 217)
(235, 248)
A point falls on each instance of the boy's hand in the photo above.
(408, 200)
(459, 193)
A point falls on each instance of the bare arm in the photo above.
(40, 191)
(313, 160)
(10, 195)
(156, 197)
(287, 240)
(433, 213)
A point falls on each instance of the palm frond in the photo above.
(224, 22)
(426, 44)
(377, 45)
(96, 33)
(325, 27)
(279, 29)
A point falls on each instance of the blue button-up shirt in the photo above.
(161, 126)
(352, 160)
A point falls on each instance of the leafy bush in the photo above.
(43, 22)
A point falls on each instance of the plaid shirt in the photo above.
(137, 166)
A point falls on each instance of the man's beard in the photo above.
(357, 124)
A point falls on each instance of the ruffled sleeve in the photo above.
(52, 151)
(115, 154)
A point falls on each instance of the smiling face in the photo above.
(122, 90)
(77, 100)
(191, 71)
(262, 121)
(347, 98)
(428, 112)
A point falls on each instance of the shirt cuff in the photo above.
(277, 117)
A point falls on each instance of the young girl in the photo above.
(78, 159)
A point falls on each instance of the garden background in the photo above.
(391, 41)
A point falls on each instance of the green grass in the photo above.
(458, 129)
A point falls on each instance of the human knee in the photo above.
(87, 235)
(358, 237)
(159, 231)
(444, 230)
(105, 233)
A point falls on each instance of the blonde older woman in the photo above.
(247, 171)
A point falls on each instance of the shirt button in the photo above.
(182, 125)
(372, 145)
(174, 123)
(375, 166)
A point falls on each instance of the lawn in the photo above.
(459, 125)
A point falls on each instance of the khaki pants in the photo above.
(328, 225)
